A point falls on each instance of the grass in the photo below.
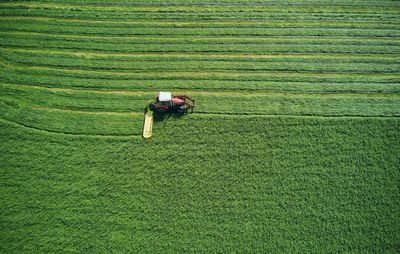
(293, 147)
(290, 184)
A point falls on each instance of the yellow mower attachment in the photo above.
(148, 122)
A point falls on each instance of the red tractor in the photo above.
(165, 102)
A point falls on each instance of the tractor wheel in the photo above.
(161, 108)
(180, 110)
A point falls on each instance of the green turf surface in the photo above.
(294, 145)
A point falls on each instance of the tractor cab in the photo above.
(163, 101)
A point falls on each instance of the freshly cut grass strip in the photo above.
(249, 5)
(282, 84)
(192, 39)
(80, 28)
(30, 55)
(204, 46)
(203, 57)
(121, 40)
(219, 103)
(203, 73)
(182, 64)
(350, 50)
(205, 15)
(210, 92)
(213, 23)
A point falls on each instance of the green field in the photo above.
(294, 145)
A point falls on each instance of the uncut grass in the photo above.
(312, 184)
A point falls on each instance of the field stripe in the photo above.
(241, 55)
(320, 23)
(242, 93)
(227, 37)
(159, 8)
